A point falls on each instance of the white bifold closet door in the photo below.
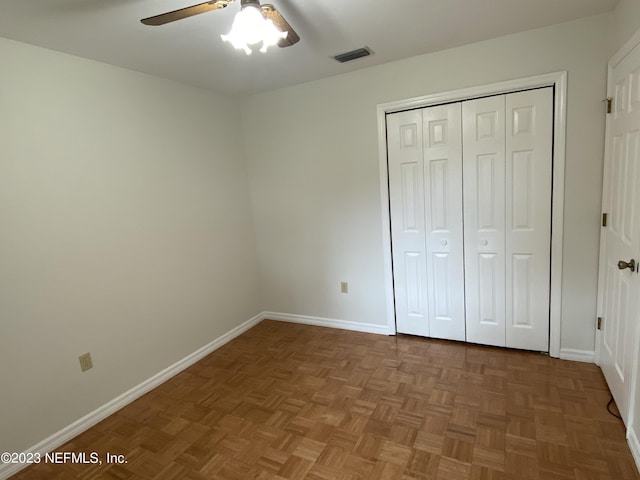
(425, 168)
(507, 164)
(470, 204)
(484, 219)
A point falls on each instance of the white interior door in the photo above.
(620, 238)
(407, 204)
(443, 188)
(425, 193)
(529, 133)
(507, 163)
(484, 219)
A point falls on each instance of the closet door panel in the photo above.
(529, 126)
(484, 219)
(443, 192)
(407, 203)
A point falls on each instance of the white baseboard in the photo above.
(587, 356)
(634, 446)
(327, 322)
(89, 420)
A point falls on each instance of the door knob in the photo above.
(631, 265)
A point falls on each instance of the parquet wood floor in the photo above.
(288, 401)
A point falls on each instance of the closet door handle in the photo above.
(484, 243)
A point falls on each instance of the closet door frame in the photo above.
(558, 80)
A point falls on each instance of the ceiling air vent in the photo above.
(353, 54)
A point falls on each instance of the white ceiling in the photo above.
(190, 50)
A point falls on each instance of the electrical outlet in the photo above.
(85, 362)
(344, 287)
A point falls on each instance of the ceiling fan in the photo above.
(287, 35)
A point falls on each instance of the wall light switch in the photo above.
(344, 287)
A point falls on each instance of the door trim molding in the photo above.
(558, 80)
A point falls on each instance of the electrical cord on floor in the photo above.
(609, 409)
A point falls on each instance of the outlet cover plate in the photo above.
(85, 362)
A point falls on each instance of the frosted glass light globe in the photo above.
(250, 28)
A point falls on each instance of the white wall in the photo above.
(626, 21)
(313, 164)
(125, 231)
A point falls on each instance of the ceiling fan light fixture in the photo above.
(250, 28)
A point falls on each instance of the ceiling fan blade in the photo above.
(185, 12)
(270, 12)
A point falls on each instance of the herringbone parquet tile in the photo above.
(287, 401)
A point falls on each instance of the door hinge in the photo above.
(599, 323)
(609, 101)
(604, 219)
